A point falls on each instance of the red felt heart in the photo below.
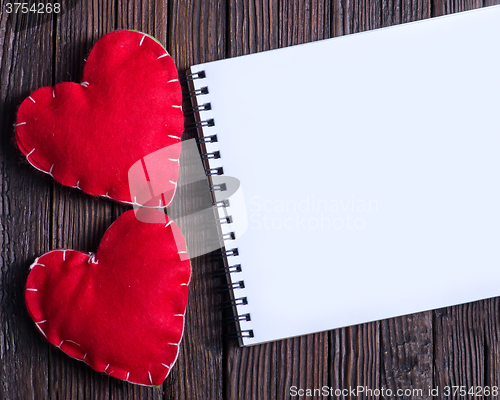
(122, 309)
(89, 135)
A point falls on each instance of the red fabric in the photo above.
(89, 135)
(122, 309)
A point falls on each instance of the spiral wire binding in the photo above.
(228, 271)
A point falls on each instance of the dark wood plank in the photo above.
(443, 7)
(460, 346)
(251, 372)
(407, 355)
(79, 221)
(301, 363)
(149, 16)
(197, 30)
(351, 16)
(357, 16)
(492, 343)
(303, 21)
(402, 11)
(355, 358)
(491, 2)
(253, 26)
(25, 198)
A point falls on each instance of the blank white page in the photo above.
(369, 168)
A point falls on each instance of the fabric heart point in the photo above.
(88, 135)
(120, 310)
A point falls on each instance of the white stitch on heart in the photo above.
(40, 329)
(85, 355)
(92, 259)
(77, 186)
(36, 263)
(33, 165)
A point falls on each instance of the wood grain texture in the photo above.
(355, 357)
(25, 200)
(358, 16)
(302, 362)
(146, 16)
(460, 358)
(303, 21)
(492, 343)
(451, 346)
(78, 220)
(197, 34)
(253, 26)
(488, 3)
(443, 7)
(407, 355)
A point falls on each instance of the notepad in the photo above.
(368, 171)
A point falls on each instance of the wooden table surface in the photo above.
(451, 346)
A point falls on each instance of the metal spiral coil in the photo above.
(233, 319)
(195, 75)
(241, 334)
(201, 104)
